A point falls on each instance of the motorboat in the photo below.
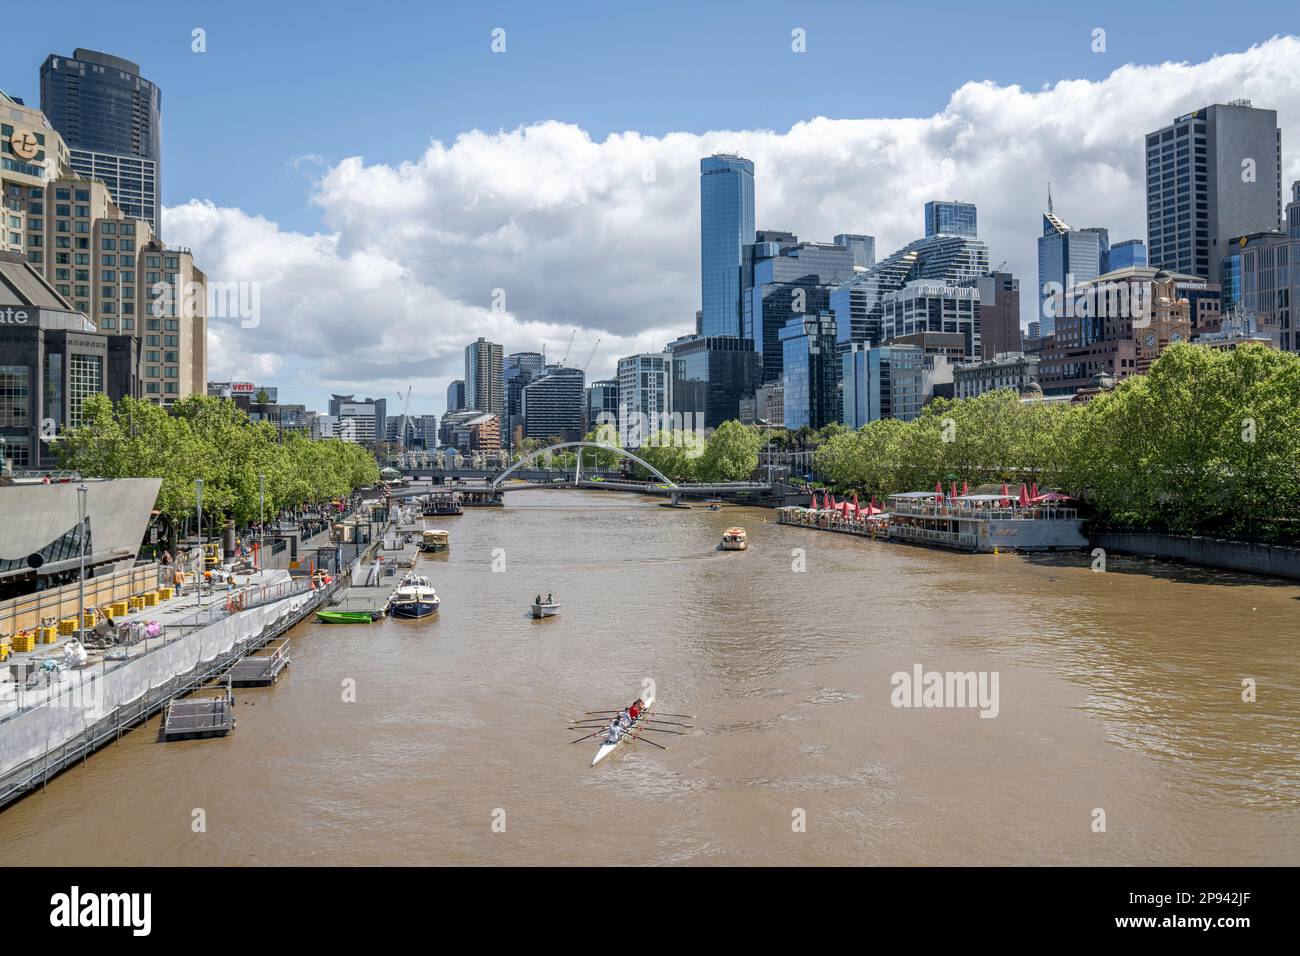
(414, 598)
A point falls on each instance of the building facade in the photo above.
(1014, 370)
(484, 377)
(456, 395)
(999, 313)
(111, 119)
(726, 227)
(1212, 175)
(645, 397)
(810, 380)
(884, 381)
(552, 404)
(950, 219)
(710, 378)
(602, 404)
(1066, 257)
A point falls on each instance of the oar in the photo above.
(650, 742)
(596, 734)
(673, 723)
(684, 716)
(656, 730)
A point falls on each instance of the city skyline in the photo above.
(430, 295)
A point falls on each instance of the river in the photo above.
(1119, 694)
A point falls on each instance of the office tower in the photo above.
(936, 307)
(552, 404)
(521, 369)
(1130, 252)
(784, 279)
(1066, 257)
(726, 227)
(111, 119)
(950, 219)
(456, 395)
(711, 376)
(484, 379)
(1212, 175)
(999, 313)
(645, 397)
(602, 404)
(862, 248)
(884, 381)
(811, 371)
(1264, 272)
(859, 306)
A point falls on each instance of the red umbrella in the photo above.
(1024, 496)
(857, 509)
(873, 502)
(813, 506)
(965, 488)
(855, 499)
(1033, 490)
(938, 492)
(1006, 494)
(954, 491)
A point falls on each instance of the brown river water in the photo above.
(1117, 692)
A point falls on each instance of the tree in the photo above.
(730, 453)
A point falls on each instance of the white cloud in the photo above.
(603, 236)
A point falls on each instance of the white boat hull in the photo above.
(607, 748)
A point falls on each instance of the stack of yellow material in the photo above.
(165, 594)
(117, 608)
(92, 617)
(135, 603)
(68, 626)
(150, 599)
(26, 641)
(4, 649)
(49, 635)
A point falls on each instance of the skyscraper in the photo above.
(484, 381)
(726, 227)
(1065, 257)
(1130, 252)
(711, 376)
(521, 369)
(1212, 175)
(456, 396)
(950, 218)
(111, 119)
(645, 397)
(811, 371)
(552, 404)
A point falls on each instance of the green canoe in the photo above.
(344, 617)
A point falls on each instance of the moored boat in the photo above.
(345, 617)
(432, 541)
(607, 747)
(735, 539)
(414, 598)
(439, 504)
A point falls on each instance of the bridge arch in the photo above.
(496, 482)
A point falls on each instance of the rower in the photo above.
(634, 710)
(624, 719)
(615, 731)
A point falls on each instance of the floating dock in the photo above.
(262, 667)
(208, 713)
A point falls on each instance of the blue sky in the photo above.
(306, 130)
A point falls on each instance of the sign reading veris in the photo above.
(11, 316)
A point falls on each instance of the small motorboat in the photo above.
(547, 608)
(347, 617)
(735, 539)
(433, 541)
(414, 598)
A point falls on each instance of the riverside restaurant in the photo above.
(966, 522)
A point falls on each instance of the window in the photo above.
(85, 378)
(15, 396)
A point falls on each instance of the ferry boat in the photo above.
(414, 598)
(440, 503)
(432, 541)
(987, 522)
(735, 539)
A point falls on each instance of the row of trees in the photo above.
(1208, 442)
(212, 439)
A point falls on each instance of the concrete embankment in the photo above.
(1228, 555)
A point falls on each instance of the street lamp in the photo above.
(81, 576)
(198, 511)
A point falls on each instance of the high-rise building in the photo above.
(726, 227)
(1130, 252)
(950, 219)
(602, 404)
(645, 397)
(784, 279)
(885, 381)
(551, 405)
(521, 368)
(861, 247)
(1066, 257)
(811, 371)
(1212, 175)
(933, 306)
(999, 312)
(456, 395)
(111, 119)
(484, 377)
(711, 376)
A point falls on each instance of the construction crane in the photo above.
(406, 416)
(591, 356)
(565, 357)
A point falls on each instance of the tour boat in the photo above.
(546, 608)
(735, 539)
(415, 597)
(440, 503)
(607, 748)
(435, 541)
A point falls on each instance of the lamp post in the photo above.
(203, 559)
(81, 575)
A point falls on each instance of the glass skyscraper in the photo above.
(711, 376)
(950, 218)
(726, 227)
(111, 119)
(1066, 257)
(811, 373)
